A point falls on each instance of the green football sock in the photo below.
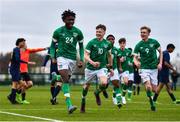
(118, 94)
(100, 89)
(129, 91)
(84, 93)
(124, 90)
(66, 91)
(149, 94)
(114, 93)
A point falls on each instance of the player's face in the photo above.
(144, 34)
(100, 33)
(170, 50)
(111, 39)
(69, 21)
(21, 44)
(122, 45)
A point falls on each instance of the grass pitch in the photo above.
(39, 96)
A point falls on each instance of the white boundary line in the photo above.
(27, 116)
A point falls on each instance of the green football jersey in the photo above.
(67, 40)
(126, 54)
(98, 52)
(130, 64)
(147, 51)
(114, 53)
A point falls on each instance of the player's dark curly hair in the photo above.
(67, 13)
(110, 35)
(170, 46)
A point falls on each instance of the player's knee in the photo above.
(130, 83)
(115, 83)
(148, 87)
(86, 86)
(30, 84)
(59, 84)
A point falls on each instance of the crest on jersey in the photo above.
(105, 46)
(115, 52)
(151, 45)
(75, 35)
(62, 34)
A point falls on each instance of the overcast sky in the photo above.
(35, 20)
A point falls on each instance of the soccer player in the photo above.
(131, 74)
(164, 75)
(124, 54)
(96, 56)
(137, 81)
(55, 78)
(67, 38)
(25, 53)
(148, 62)
(15, 69)
(115, 78)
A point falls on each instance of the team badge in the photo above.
(75, 35)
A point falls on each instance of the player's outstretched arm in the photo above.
(160, 58)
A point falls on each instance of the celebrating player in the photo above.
(96, 54)
(124, 54)
(67, 38)
(115, 78)
(148, 62)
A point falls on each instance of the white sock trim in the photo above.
(67, 94)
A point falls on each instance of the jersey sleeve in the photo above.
(157, 44)
(35, 50)
(110, 45)
(119, 54)
(136, 49)
(89, 47)
(17, 56)
(166, 57)
(55, 36)
(80, 36)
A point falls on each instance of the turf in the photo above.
(136, 110)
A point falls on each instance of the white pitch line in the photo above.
(27, 116)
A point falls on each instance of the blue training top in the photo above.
(16, 60)
(166, 58)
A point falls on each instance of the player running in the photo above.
(124, 55)
(148, 62)
(115, 78)
(131, 74)
(164, 75)
(55, 78)
(67, 38)
(96, 56)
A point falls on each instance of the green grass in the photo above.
(136, 110)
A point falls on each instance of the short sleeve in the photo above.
(157, 44)
(136, 49)
(110, 45)
(119, 54)
(80, 36)
(166, 57)
(55, 36)
(89, 46)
